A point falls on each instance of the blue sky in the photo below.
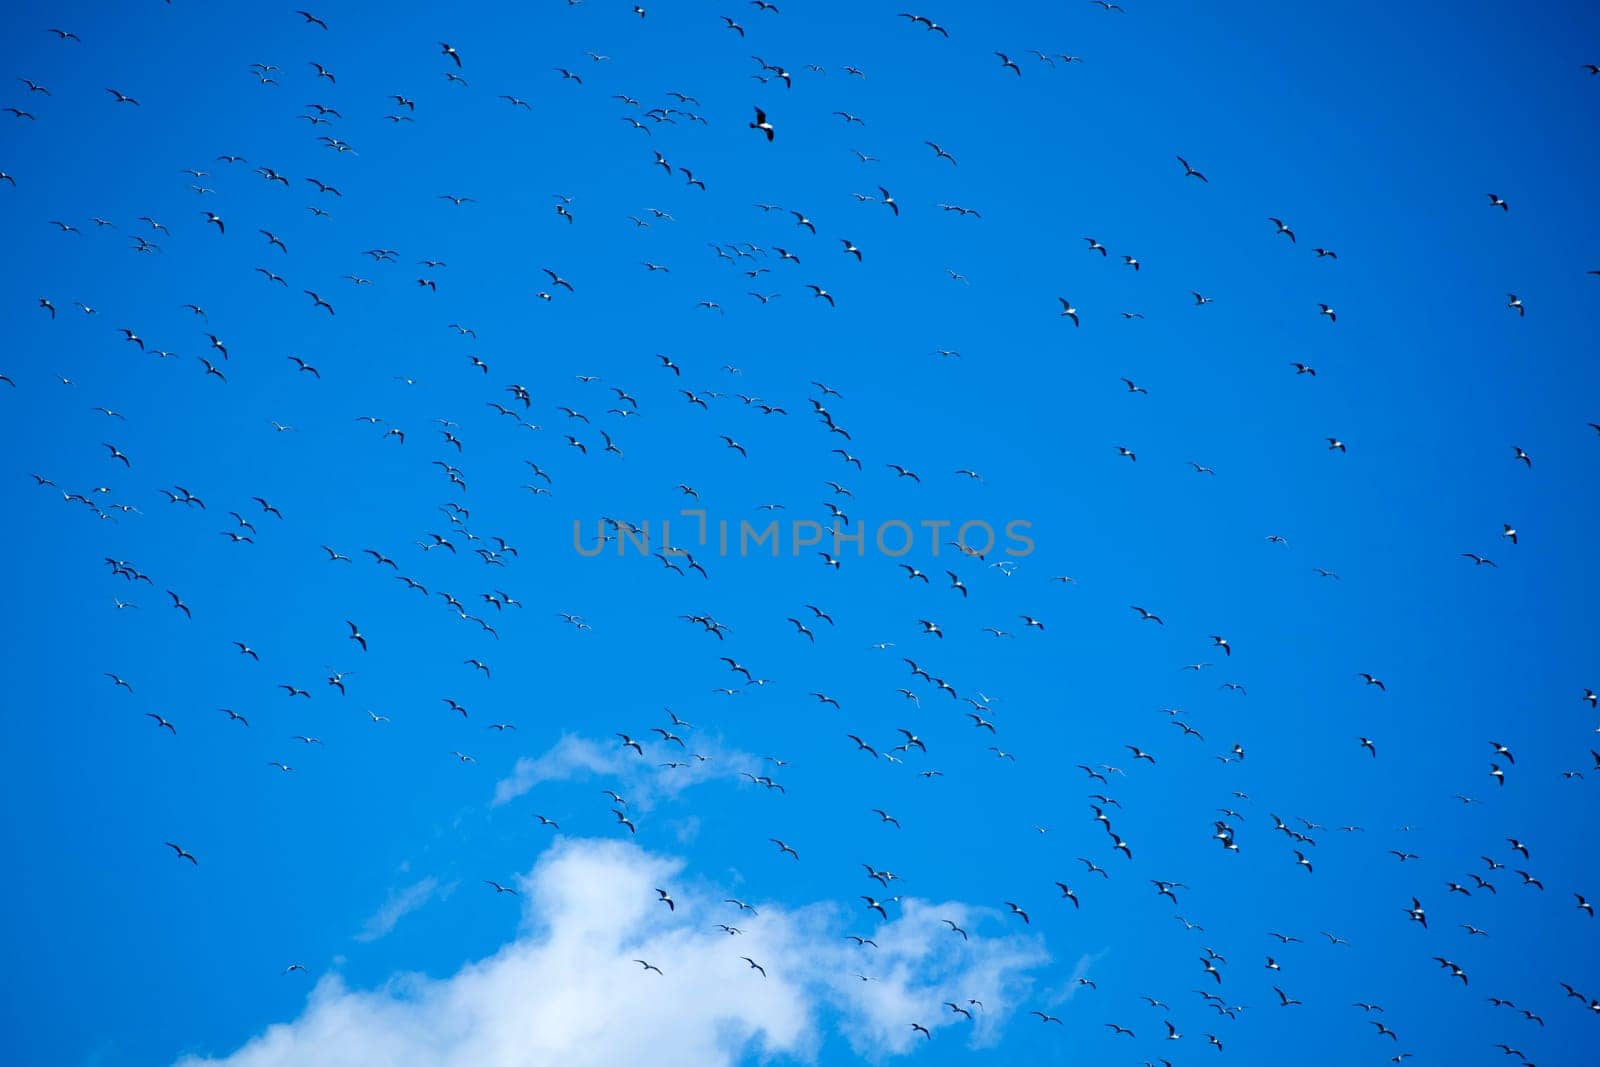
(1377, 132)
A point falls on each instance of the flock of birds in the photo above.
(1505, 868)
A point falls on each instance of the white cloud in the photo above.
(402, 902)
(919, 965)
(566, 989)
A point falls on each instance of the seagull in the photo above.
(761, 122)
(926, 22)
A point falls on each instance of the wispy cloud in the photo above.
(665, 769)
(402, 902)
(1056, 995)
(567, 989)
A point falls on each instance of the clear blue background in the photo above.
(1372, 129)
